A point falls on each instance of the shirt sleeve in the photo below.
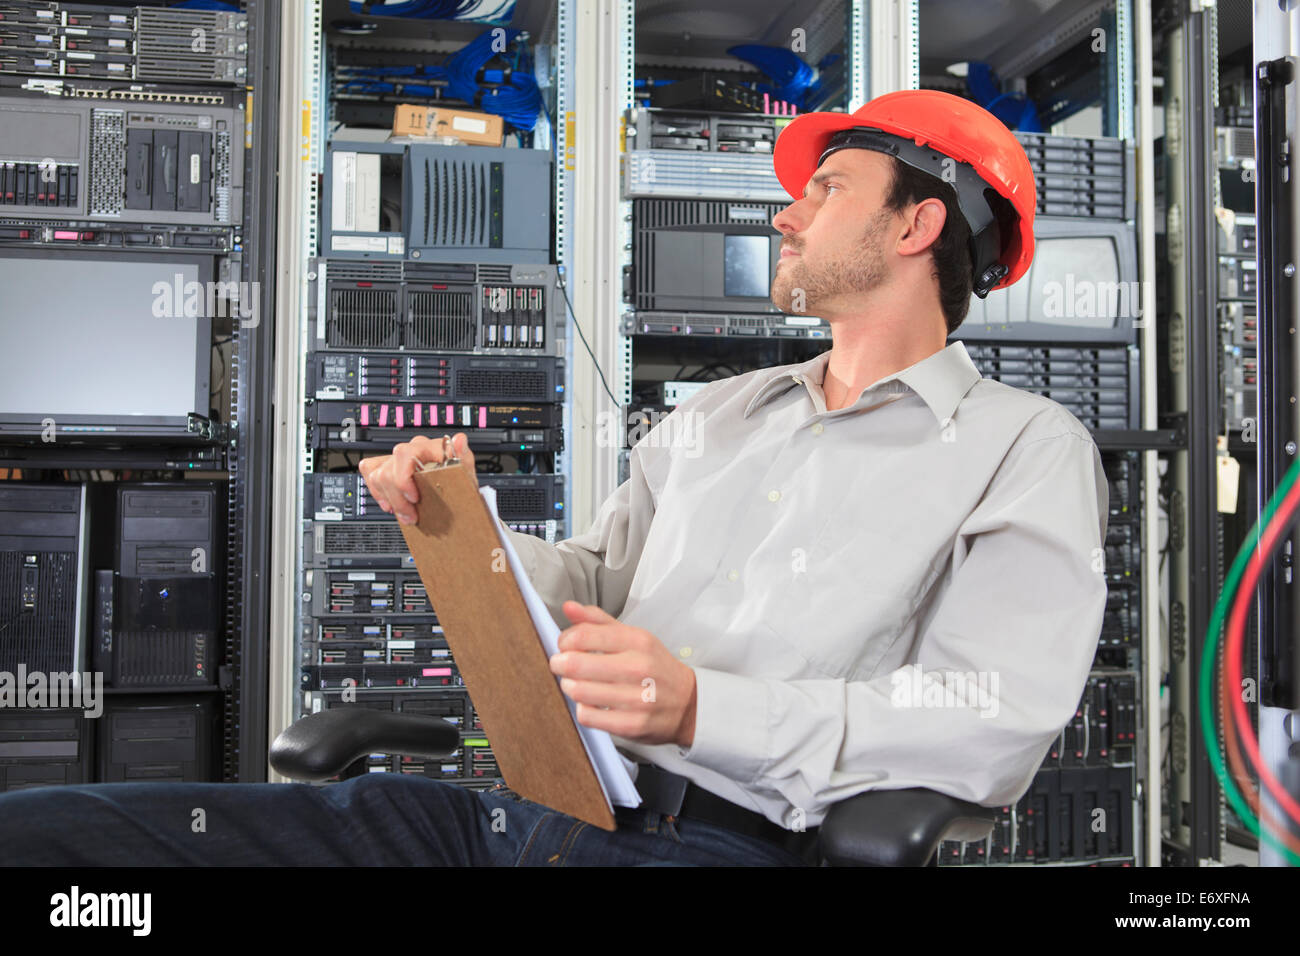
(1019, 623)
(597, 566)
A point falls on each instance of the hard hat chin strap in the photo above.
(971, 188)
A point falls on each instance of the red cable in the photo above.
(1240, 719)
(1242, 774)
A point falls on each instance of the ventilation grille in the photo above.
(524, 386)
(363, 318)
(171, 31)
(495, 275)
(364, 538)
(665, 213)
(455, 202)
(158, 657)
(667, 172)
(521, 504)
(107, 162)
(345, 270)
(199, 69)
(41, 637)
(441, 320)
(221, 177)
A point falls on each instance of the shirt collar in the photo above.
(942, 380)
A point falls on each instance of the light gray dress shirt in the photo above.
(906, 592)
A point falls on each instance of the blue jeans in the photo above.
(380, 819)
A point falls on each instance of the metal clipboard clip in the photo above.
(449, 456)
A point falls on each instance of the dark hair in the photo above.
(951, 251)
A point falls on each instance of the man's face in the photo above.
(835, 239)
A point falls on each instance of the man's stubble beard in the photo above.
(858, 269)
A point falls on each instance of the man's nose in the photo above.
(788, 220)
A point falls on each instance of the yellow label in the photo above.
(570, 149)
(306, 131)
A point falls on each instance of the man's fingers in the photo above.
(620, 722)
(406, 458)
(581, 613)
(391, 478)
(598, 637)
(598, 694)
(460, 442)
(614, 668)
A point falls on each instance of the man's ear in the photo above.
(923, 225)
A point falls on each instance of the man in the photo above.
(875, 568)
(872, 569)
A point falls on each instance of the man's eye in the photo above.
(830, 186)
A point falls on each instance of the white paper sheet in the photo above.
(612, 768)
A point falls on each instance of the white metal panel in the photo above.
(894, 58)
(601, 66)
(299, 159)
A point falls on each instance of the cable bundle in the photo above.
(511, 93)
(517, 100)
(1016, 110)
(1276, 519)
(792, 79)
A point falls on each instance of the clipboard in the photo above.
(495, 645)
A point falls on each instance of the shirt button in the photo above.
(733, 575)
(818, 428)
(773, 495)
(686, 652)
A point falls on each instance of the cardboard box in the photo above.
(468, 126)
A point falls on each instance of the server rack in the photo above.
(231, 74)
(425, 327)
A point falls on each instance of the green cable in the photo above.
(1210, 654)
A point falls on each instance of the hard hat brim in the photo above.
(801, 144)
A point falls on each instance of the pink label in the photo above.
(435, 672)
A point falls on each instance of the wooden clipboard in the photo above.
(495, 645)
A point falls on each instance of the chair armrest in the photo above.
(322, 745)
(898, 827)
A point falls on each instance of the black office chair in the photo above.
(878, 828)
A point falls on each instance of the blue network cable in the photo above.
(511, 94)
(1015, 110)
(516, 99)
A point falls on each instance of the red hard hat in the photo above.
(944, 123)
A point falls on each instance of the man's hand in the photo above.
(390, 477)
(624, 680)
